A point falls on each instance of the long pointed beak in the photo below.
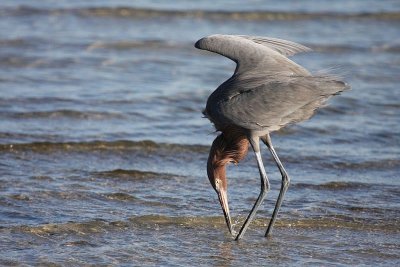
(223, 199)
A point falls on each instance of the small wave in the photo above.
(341, 222)
(334, 186)
(48, 194)
(16, 61)
(39, 100)
(146, 13)
(78, 228)
(381, 212)
(389, 105)
(146, 145)
(17, 42)
(22, 197)
(79, 243)
(364, 165)
(138, 44)
(159, 221)
(153, 44)
(65, 113)
(120, 197)
(131, 174)
(390, 48)
(232, 15)
(395, 48)
(338, 164)
(21, 61)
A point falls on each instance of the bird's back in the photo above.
(271, 105)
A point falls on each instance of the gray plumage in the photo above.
(266, 92)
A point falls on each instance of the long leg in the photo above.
(255, 143)
(284, 186)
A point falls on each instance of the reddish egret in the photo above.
(266, 92)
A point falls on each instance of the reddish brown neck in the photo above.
(227, 147)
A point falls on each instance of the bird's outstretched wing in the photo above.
(249, 52)
(267, 90)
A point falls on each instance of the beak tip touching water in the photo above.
(223, 199)
(229, 224)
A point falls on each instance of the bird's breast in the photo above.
(215, 113)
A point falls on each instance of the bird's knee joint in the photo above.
(265, 187)
(286, 182)
(263, 193)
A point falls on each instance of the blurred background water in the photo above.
(103, 145)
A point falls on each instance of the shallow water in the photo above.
(103, 145)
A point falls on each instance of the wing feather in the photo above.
(283, 47)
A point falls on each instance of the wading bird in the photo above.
(266, 92)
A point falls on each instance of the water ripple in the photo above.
(145, 13)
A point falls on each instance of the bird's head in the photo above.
(224, 151)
